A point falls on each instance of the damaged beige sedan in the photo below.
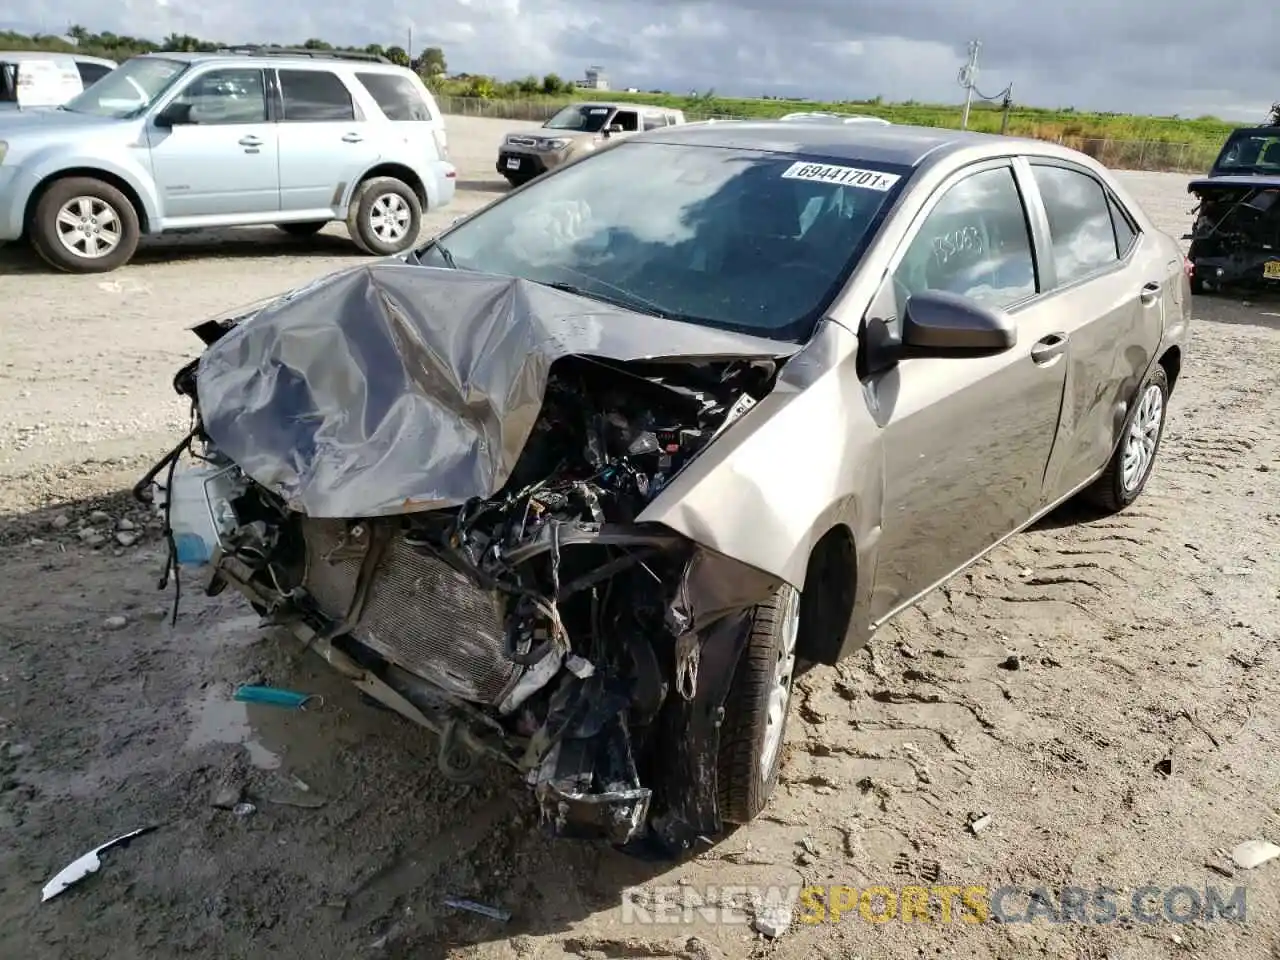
(577, 484)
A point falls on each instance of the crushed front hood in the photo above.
(394, 388)
(1234, 182)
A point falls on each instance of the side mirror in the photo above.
(938, 323)
(613, 128)
(174, 115)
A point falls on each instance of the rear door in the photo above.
(221, 163)
(1109, 289)
(326, 142)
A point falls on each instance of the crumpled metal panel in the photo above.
(393, 388)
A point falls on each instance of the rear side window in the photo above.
(1080, 227)
(8, 83)
(653, 121)
(1126, 231)
(315, 96)
(396, 96)
(91, 72)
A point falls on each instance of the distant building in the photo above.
(595, 79)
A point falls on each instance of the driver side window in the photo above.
(628, 120)
(225, 97)
(975, 242)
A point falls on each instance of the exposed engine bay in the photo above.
(543, 626)
(1236, 230)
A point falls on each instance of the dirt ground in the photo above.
(1104, 689)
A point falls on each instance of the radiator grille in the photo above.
(419, 613)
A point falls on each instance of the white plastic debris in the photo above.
(483, 909)
(979, 823)
(772, 919)
(1254, 853)
(80, 868)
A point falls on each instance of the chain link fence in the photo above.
(1146, 154)
(1118, 154)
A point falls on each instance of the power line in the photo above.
(968, 78)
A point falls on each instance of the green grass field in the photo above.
(1023, 121)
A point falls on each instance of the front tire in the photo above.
(756, 710)
(1126, 475)
(385, 217)
(83, 225)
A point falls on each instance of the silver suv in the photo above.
(176, 141)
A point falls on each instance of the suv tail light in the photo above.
(1188, 267)
(442, 142)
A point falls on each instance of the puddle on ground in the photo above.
(215, 719)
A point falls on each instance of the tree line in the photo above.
(430, 63)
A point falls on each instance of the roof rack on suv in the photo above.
(254, 51)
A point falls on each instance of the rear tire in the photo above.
(83, 225)
(1126, 475)
(385, 217)
(305, 228)
(756, 710)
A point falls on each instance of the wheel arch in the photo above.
(93, 173)
(829, 597)
(1171, 360)
(397, 171)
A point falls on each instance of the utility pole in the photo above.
(969, 78)
(1007, 105)
(409, 48)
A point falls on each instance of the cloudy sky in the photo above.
(1127, 55)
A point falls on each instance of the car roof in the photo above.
(15, 56)
(1264, 131)
(630, 104)
(893, 144)
(288, 58)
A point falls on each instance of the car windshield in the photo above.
(129, 89)
(740, 239)
(587, 119)
(1251, 152)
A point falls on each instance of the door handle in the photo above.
(250, 141)
(1149, 293)
(352, 138)
(1049, 348)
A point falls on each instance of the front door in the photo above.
(966, 440)
(324, 146)
(223, 161)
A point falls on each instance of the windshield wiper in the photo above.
(444, 252)
(625, 298)
(628, 302)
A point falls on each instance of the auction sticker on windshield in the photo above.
(845, 176)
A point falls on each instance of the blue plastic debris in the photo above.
(274, 696)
